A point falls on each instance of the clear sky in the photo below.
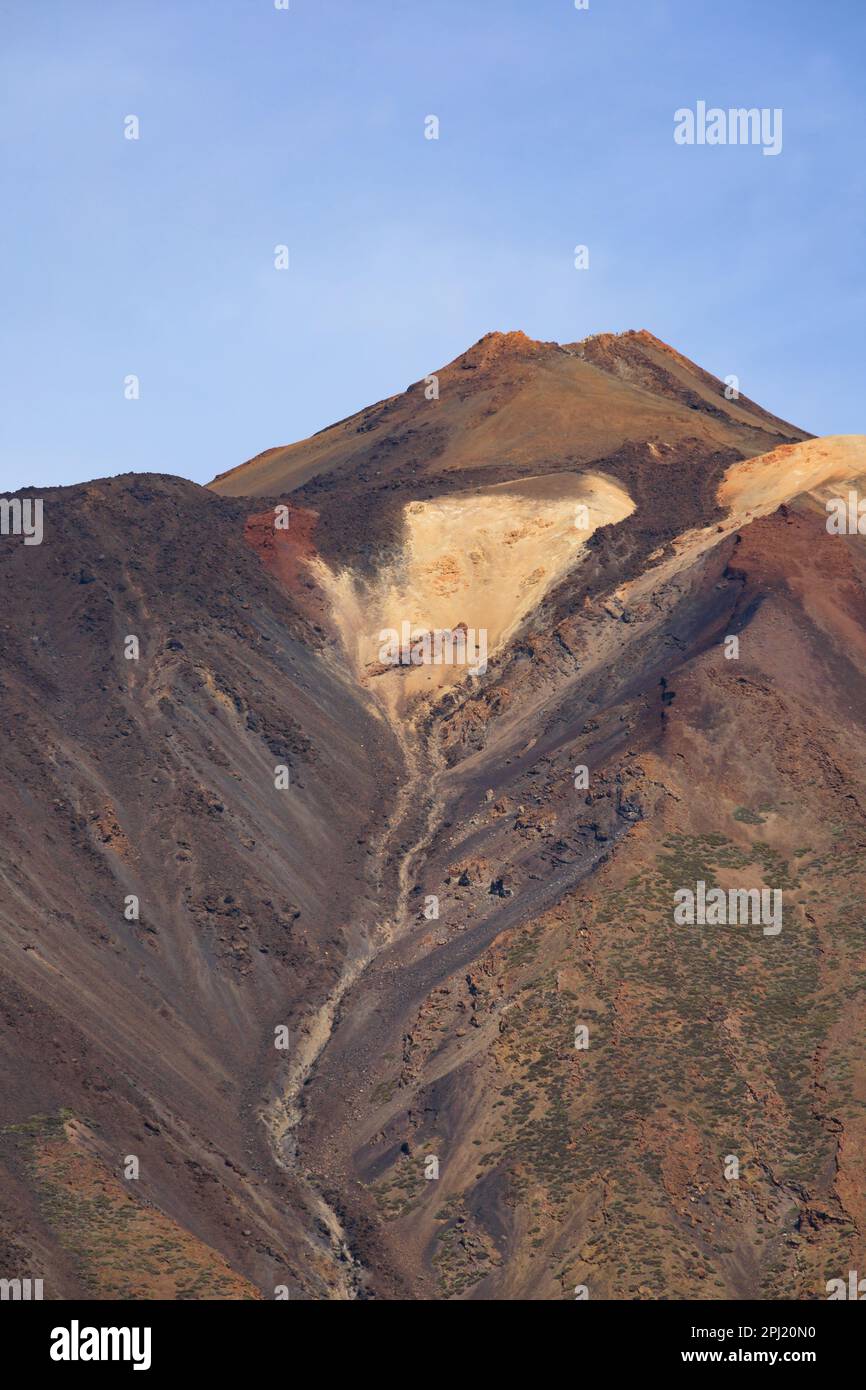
(305, 127)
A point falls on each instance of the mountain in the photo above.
(443, 877)
(508, 409)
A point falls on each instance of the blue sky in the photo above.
(260, 127)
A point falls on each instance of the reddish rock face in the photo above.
(386, 997)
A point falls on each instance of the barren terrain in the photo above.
(434, 903)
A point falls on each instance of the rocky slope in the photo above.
(509, 1073)
(604, 1166)
(154, 778)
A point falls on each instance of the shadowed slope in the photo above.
(155, 778)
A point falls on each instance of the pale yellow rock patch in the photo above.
(484, 559)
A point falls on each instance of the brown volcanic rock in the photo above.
(434, 906)
(156, 778)
(644, 360)
(514, 405)
(512, 408)
(606, 1166)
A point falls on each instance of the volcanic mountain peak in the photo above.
(609, 338)
(403, 869)
(499, 341)
(498, 347)
(515, 342)
(511, 407)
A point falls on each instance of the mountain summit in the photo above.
(512, 404)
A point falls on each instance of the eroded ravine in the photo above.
(420, 809)
(283, 1116)
(462, 553)
(453, 569)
